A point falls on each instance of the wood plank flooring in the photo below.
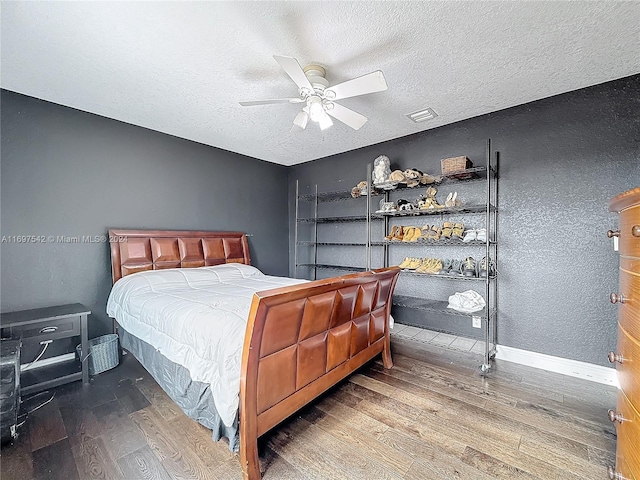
(431, 417)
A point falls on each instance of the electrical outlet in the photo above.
(476, 321)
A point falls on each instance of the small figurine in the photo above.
(430, 200)
(360, 189)
(381, 170)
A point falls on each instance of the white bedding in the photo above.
(196, 317)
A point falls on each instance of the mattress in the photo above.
(196, 318)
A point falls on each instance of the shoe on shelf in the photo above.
(447, 229)
(481, 235)
(416, 233)
(435, 267)
(430, 266)
(415, 263)
(469, 267)
(470, 236)
(458, 230)
(386, 207)
(424, 265)
(399, 235)
(434, 233)
(450, 202)
(392, 234)
(408, 233)
(424, 232)
(456, 267)
(447, 264)
(485, 267)
(405, 263)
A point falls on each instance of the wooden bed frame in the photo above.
(300, 340)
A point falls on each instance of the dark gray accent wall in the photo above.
(561, 160)
(69, 173)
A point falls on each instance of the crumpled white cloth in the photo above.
(466, 302)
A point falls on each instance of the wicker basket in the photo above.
(454, 165)
(103, 353)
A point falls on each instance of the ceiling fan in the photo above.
(319, 98)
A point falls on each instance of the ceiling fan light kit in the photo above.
(318, 96)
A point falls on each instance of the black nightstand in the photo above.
(39, 326)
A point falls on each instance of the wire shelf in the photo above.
(445, 276)
(437, 211)
(356, 218)
(434, 243)
(338, 244)
(328, 196)
(439, 306)
(332, 267)
(468, 175)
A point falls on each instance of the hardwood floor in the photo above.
(431, 417)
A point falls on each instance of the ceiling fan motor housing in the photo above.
(316, 74)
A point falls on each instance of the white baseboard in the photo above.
(45, 362)
(565, 366)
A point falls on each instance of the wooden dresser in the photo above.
(626, 415)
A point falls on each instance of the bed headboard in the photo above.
(137, 250)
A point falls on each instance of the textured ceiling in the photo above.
(182, 67)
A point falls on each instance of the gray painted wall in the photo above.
(561, 160)
(67, 172)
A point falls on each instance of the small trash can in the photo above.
(103, 353)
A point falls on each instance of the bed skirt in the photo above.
(193, 398)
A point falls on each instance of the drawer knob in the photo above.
(613, 233)
(635, 230)
(615, 416)
(617, 298)
(613, 475)
(615, 357)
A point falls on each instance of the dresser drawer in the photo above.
(630, 243)
(622, 467)
(629, 310)
(630, 264)
(628, 437)
(629, 368)
(47, 330)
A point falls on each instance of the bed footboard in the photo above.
(302, 340)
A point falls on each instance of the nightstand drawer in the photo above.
(47, 330)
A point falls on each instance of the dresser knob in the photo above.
(613, 475)
(615, 357)
(614, 416)
(635, 230)
(616, 298)
(613, 233)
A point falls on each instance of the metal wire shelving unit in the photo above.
(487, 174)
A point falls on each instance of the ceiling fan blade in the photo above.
(325, 122)
(300, 123)
(347, 116)
(291, 66)
(369, 83)
(270, 101)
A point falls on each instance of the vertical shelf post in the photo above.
(368, 221)
(295, 235)
(487, 345)
(315, 235)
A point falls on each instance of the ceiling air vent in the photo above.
(422, 115)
